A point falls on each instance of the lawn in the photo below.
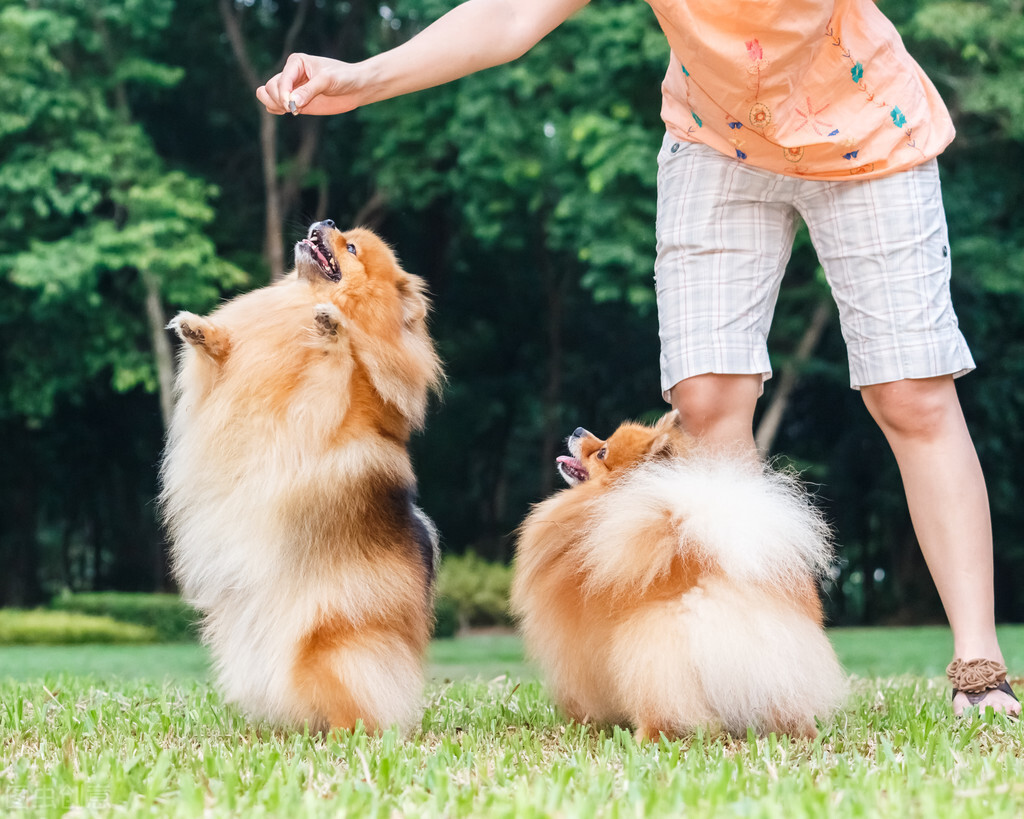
(139, 732)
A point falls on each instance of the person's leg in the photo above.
(725, 233)
(945, 488)
(719, 409)
(885, 250)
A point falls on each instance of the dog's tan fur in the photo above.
(287, 487)
(674, 589)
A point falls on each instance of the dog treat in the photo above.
(292, 107)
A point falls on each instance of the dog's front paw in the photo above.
(200, 333)
(188, 329)
(329, 320)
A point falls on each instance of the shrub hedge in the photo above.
(476, 589)
(171, 619)
(42, 627)
(471, 591)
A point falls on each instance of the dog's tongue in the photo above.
(571, 470)
(317, 252)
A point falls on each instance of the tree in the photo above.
(525, 196)
(95, 237)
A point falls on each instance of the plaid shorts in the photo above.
(725, 233)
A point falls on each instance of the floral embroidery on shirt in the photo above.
(857, 74)
(793, 154)
(810, 117)
(698, 120)
(757, 64)
(687, 73)
(760, 115)
(851, 149)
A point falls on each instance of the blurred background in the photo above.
(139, 176)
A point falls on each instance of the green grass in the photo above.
(485, 655)
(149, 737)
(865, 652)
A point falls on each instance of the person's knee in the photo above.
(717, 406)
(919, 408)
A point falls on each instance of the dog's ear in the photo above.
(414, 300)
(668, 435)
(403, 366)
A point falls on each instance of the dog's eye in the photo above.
(351, 248)
(601, 453)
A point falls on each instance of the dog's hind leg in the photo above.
(344, 674)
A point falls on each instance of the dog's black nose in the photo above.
(316, 227)
(579, 432)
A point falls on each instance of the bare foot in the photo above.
(998, 701)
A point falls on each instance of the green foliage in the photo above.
(94, 230)
(129, 154)
(558, 145)
(478, 589)
(40, 627)
(168, 615)
(446, 617)
(982, 58)
(89, 206)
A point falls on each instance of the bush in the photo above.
(446, 617)
(477, 589)
(41, 627)
(170, 618)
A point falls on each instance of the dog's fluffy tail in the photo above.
(729, 515)
(731, 657)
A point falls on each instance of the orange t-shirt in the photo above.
(823, 90)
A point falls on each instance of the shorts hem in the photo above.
(712, 359)
(930, 356)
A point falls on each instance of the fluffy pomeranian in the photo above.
(670, 588)
(288, 491)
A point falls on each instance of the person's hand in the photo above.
(316, 85)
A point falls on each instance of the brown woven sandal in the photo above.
(975, 678)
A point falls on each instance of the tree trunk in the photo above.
(161, 346)
(273, 223)
(790, 376)
(19, 547)
(278, 196)
(551, 434)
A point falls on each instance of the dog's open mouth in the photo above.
(572, 470)
(315, 249)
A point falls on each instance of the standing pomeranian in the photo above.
(670, 589)
(288, 492)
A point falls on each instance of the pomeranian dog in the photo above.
(671, 588)
(288, 491)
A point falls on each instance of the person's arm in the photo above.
(475, 35)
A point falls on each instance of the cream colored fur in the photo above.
(265, 455)
(738, 649)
